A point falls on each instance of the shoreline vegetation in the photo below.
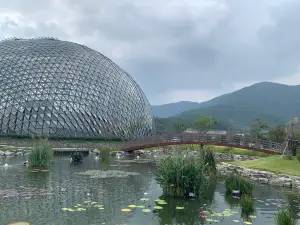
(274, 164)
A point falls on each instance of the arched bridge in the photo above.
(228, 140)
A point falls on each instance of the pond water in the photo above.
(38, 198)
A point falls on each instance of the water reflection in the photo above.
(39, 197)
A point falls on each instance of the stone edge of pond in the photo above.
(263, 177)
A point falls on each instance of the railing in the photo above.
(203, 138)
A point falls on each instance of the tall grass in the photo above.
(235, 182)
(284, 217)
(209, 160)
(41, 155)
(247, 205)
(179, 176)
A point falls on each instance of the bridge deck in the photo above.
(237, 141)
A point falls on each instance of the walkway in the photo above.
(236, 141)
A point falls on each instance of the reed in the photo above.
(284, 217)
(179, 176)
(247, 204)
(41, 155)
(235, 182)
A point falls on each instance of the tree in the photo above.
(258, 127)
(180, 127)
(203, 123)
(278, 133)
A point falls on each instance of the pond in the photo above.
(39, 198)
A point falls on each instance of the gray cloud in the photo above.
(172, 45)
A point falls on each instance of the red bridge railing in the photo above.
(246, 142)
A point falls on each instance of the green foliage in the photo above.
(178, 176)
(41, 155)
(298, 154)
(284, 217)
(258, 127)
(209, 160)
(235, 182)
(204, 123)
(247, 204)
(278, 133)
(180, 127)
(288, 157)
(8, 148)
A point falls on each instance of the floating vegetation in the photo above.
(125, 210)
(108, 174)
(19, 171)
(18, 223)
(179, 207)
(132, 206)
(144, 199)
(79, 207)
(158, 207)
(26, 192)
(235, 182)
(146, 210)
(284, 217)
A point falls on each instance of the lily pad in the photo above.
(146, 210)
(247, 222)
(158, 207)
(125, 210)
(101, 208)
(140, 206)
(18, 223)
(132, 206)
(252, 216)
(236, 221)
(179, 207)
(162, 202)
(144, 199)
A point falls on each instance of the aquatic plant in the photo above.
(208, 159)
(247, 205)
(41, 155)
(181, 177)
(284, 217)
(235, 182)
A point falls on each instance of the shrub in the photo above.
(41, 155)
(179, 177)
(235, 182)
(284, 217)
(247, 204)
(298, 154)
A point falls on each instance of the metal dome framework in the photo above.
(59, 88)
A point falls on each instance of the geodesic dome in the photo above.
(59, 88)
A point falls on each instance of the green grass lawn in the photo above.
(220, 149)
(273, 164)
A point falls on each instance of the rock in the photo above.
(281, 180)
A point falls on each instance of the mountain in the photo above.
(273, 102)
(172, 109)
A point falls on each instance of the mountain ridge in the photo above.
(274, 102)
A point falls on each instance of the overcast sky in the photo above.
(175, 49)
